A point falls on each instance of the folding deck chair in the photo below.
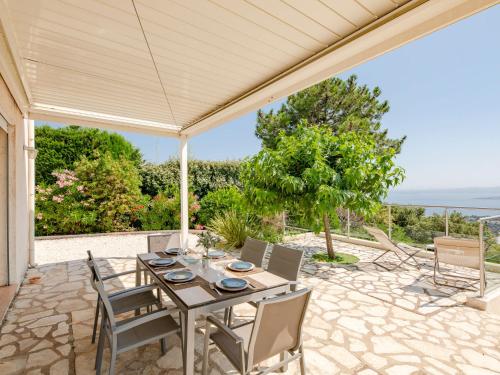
(404, 254)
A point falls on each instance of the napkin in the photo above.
(194, 295)
(148, 256)
(268, 279)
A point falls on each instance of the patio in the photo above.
(361, 320)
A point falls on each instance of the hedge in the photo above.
(204, 176)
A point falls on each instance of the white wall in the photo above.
(18, 219)
(4, 249)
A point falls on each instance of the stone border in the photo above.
(67, 236)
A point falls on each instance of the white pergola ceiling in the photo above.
(184, 66)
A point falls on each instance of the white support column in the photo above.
(184, 192)
(30, 124)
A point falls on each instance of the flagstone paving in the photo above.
(362, 320)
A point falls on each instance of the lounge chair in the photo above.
(402, 252)
(277, 329)
(462, 252)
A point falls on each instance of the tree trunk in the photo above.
(328, 237)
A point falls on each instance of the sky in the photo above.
(444, 96)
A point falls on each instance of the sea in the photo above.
(475, 198)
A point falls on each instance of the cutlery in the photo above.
(214, 288)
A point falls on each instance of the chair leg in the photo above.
(96, 318)
(204, 370)
(163, 345)
(112, 361)
(302, 361)
(100, 346)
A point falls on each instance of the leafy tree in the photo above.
(315, 172)
(334, 103)
(60, 148)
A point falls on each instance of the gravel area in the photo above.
(74, 248)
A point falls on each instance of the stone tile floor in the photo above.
(362, 320)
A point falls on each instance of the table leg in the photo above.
(188, 342)
(137, 280)
(137, 273)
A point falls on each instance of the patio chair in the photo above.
(158, 242)
(403, 253)
(130, 333)
(284, 262)
(462, 252)
(124, 300)
(277, 329)
(253, 251)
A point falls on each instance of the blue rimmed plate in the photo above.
(241, 266)
(181, 276)
(216, 254)
(173, 251)
(162, 262)
(232, 284)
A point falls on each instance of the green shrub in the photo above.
(204, 176)
(234, 228)
(164, 212)
(219, 201)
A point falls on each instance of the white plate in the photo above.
(169, 276)
(232, 267)
(162, 262)
(216, 254)
(173, 251)
(220, 286)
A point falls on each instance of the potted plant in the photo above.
(208, 240)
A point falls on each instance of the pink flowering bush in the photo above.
(98, 196)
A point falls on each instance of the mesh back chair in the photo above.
(277, 329)
(284, 262)
(404, 254)
(130, 333)
(253, 251)
(124, 300)
(158, 242)
(462, 252)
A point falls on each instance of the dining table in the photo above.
(200, 296)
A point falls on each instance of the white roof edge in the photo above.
(407, 23)
(99, 120)
(10, 63)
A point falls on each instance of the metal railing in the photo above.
(446, 213)
(447, 209)
(482, 220)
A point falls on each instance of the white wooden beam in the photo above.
(411, 21)
(103, 122)
(183, 154)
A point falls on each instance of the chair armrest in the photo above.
(145, 319)
(224, 329)
(132, 291)
(118, 275)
